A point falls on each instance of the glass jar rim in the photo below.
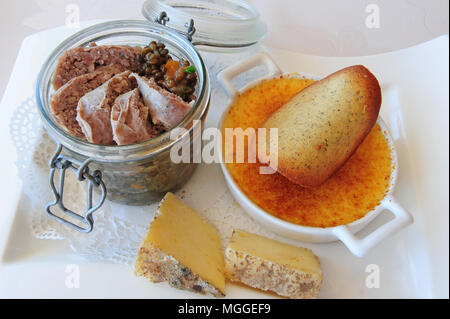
(228, 24)
(115, 153)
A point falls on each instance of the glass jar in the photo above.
(135, 174)
(220, 25)
(142, 173)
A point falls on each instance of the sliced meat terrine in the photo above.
(166, 109)
(79, 61)
(94, 108)
(130, 120)
(64, 101)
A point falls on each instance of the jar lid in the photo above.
(218, 23)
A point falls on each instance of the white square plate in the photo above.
(412, 263)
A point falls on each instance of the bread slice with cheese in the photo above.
(269, 265)
(182, 248)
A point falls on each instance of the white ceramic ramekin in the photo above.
(344, 233)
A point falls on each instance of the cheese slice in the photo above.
(182, 248)
(266, 264)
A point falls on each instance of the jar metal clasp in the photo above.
(61, 163)
(163, 18)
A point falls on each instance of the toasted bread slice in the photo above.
(321, 127)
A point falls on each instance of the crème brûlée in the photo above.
(348, 195)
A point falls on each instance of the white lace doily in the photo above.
(118, 228)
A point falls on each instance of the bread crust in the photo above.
(157, 266)
(269, 276)
(323, 125)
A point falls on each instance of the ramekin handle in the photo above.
(226, 76)
(360, 247)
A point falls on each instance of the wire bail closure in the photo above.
(81, 169)
(163, 18)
